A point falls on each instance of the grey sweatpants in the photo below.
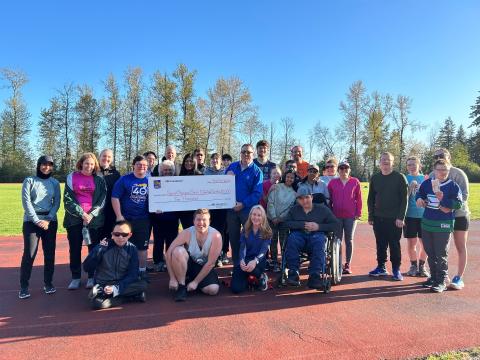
(436, 247)
(347, 228)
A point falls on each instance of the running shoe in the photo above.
(439, 288)
(457, 283)
(23, 293)
(293, 278)
(90, 283)
(428, 283)
(378, 271)
(346, 269)
(263, 282)
(74, 284)
(422, 271)
(49, 289)
(397, 275)
(413, 270)
(315, 282)
(181, 293)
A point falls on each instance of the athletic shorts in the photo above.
(461, 223)
(193, 269)
(412, 228)
(140, 233)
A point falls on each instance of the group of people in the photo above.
(288, 209)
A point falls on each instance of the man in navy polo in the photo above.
(248, 191)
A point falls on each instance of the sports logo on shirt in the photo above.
(139, 193)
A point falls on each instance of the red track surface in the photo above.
(362, 318)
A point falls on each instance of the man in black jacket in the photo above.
(308, 223)
(115, 262)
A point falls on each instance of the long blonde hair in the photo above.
(265, 229)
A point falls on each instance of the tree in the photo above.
(446, 135)
(162, 108)
(238, 107)
(88, 115)
(326, 141)
(475, 114)
(14, 119)
(461, 136)
(66, 97)
(287, 141)
(112, 110)
(403, 123)
(376, 128)
(49, 127)
(133, 126)
(206, 112)
(354, 110)
(185, 98)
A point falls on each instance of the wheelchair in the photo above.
(333, 263)
(333, 257)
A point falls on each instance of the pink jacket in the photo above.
(346, 200)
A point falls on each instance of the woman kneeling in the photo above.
(254, 242)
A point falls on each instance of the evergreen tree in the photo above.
(475, 114)
(446, 136)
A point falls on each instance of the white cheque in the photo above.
(178, 193)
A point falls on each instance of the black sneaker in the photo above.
(315, 282)
(181, 293)
(142, 297)
(439, 288)
(107, 302)
(263, 282)
(428, 283)
(49, 289)
(24, 293)
(293, 278)
(225, 259)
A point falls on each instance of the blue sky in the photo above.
(297, 58)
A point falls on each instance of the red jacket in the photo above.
(345, 200)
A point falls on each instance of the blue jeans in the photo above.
(311, 242)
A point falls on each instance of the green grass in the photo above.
(11, 212)
(467, 354)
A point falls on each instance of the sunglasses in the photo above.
(329, 166)
(245, 152)
(343, 168)
(122, 234)
(313, 170)
(439, 156)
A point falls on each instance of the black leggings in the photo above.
(75, 240)
(31, 237)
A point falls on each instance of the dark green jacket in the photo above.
(73, 210)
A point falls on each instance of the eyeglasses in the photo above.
(122, 234)
(313, 170)
(439, 156)
(141, 165)
(246, 152)
(343, 168)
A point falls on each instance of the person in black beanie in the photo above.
(41, 201)
(110, 175)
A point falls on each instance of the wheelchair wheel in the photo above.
(335, 249)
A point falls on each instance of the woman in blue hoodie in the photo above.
(254, 242)
(41, 201)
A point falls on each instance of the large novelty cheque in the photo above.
(179, 193)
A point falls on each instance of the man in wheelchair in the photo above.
(308, 222)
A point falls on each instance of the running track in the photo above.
(362, 318)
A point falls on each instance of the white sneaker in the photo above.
(74, 284)
(90, 283)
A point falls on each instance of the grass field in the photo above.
(11, 212)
